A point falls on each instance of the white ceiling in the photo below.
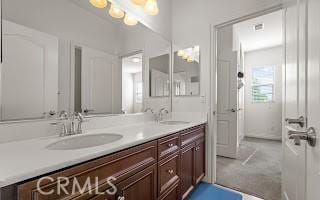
(128, 66)
(270, 36)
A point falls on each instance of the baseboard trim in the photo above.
(263, 137)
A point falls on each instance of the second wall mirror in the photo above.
(186, 72)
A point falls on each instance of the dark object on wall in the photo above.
(240, 74)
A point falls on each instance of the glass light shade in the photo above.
(139, 2)
(116, 12)
(185, 56)
(99, 3)
(151, 7)
(180, 53)
(190, 59)
(130, 20)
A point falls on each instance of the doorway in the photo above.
(249, 105)
(132, 84)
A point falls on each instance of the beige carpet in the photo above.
(256, 171)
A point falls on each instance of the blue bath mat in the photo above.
(206, 191)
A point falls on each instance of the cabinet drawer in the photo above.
(168, 172)
(119, 165)
(168, 145)
(173, 193)
(191, 135)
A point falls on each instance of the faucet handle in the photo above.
(149, 109)
(63, 114)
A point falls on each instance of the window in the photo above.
(138, 92)
(262, 86)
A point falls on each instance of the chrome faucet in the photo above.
(64, 116)
(69, 126)
(80, 119)
(160, 116)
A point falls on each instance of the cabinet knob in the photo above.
(170, 171)
(170, 145)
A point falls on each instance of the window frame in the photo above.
(272, 84)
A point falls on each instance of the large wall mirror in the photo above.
(186, 72)
(77, 58)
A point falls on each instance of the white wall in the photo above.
(263, 120)
(191, 23)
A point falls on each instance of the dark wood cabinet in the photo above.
(192, 159)
(187, 169)
(173, 193)
(164, 169)
(142, 185)
(199, 160)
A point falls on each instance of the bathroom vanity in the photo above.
(167, 167)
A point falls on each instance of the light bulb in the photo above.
(189, 59)
(116, 12)
(99, 3)
(139, 2)
(151, 7)
(185, 56)
(180, 53)
(130, 20)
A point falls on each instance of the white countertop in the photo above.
(26, 159)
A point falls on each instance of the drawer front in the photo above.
(97, 172)
(191, 135)
(168, 145)
(168, 172)
(172, 194)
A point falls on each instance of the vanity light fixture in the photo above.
(151, 7)
(99, 3)
(180, 53)
(185, 56)
(190, 59)
(130, 20)
(116, 12)
(139, 2)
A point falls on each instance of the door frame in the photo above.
(213, 78)
(144, 88)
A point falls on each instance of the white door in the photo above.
(295, 101)
(313, 153)
(97, 83)
(29, 73)
(227, 109)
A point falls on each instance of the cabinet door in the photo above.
(199, 160)
(187, 169)
(142, 185)
(172, 194)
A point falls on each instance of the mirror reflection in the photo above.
(186, 72)
(132, 84)
(159, 76)
(77, 58)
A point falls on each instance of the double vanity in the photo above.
(146, 160)
(85, 105)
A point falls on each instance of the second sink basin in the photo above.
(84, 141)
(174, 122)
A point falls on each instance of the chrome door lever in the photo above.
(300, 121)
(309, 135)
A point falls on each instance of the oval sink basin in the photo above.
(84, 141)
(174, 122)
